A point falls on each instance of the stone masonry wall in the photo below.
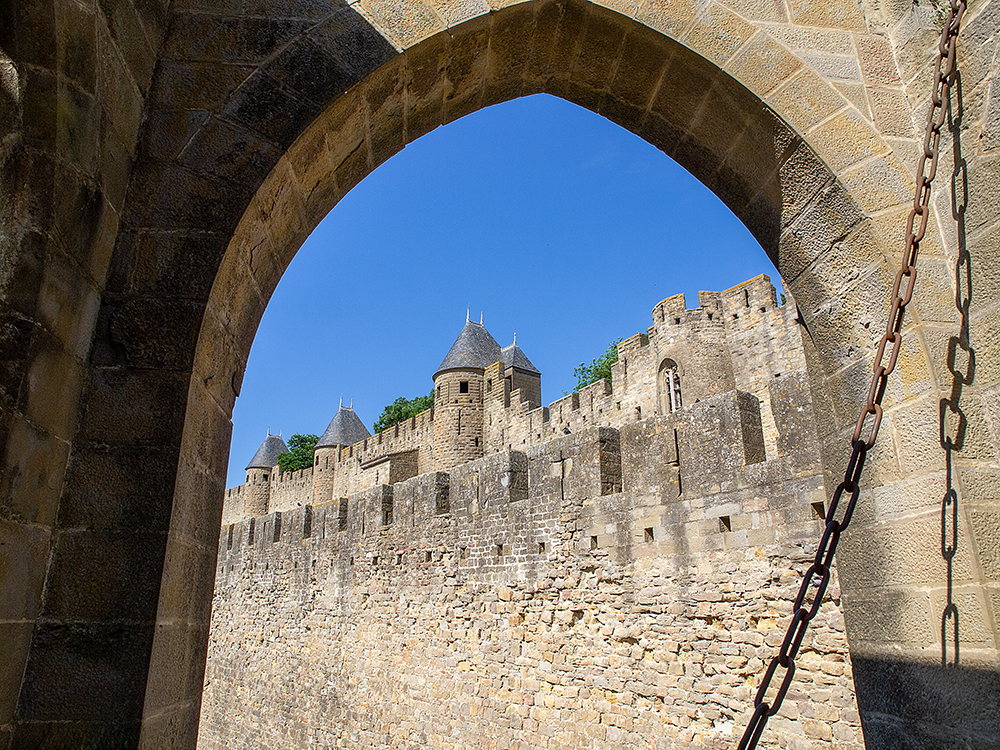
(740, 338)
(606, 589)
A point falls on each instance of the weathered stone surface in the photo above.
(99, 100)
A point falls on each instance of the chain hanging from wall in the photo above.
(817, 577)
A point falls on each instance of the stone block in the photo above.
(186, 595)
(177, 666)
(104, 574)
(235, 40)
(717, 32)
(654, 437)
(669, 18)
(510, 38)
(117, 407)
(24, 553)
(119, 487)
(879, 184)
(199, 86)
(762, 64)
(229, 151)
(263, 105)
(33, 474)
(403, 24)
(81, 670)
(805, 100)
(17, 636)
(122, 19)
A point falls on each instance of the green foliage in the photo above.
(402, 409)
(599, 369)
(300, 455)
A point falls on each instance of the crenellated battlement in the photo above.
(707, 452)
(655, 555)
(738, 339)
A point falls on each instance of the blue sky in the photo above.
(552, 221)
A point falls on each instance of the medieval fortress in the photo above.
(612, 570)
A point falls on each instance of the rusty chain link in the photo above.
(818, 574)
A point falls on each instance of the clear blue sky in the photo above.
(553, 222)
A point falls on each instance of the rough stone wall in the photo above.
(740, 338)
(291, 489)
(527, 600)
(458, 420)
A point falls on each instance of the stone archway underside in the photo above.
(130, 313)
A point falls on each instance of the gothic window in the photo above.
(668, 385)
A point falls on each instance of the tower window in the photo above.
(489, 386)
(463, 386)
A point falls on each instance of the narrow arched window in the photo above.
(668, 385)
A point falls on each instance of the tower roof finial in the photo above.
(341, 402)
(480, 317)
(468, 312)
(515, 337)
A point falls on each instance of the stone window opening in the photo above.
(647, 535)
(489, 385)
(818, 510)
(463, 386)
(668, 384)
(725, 524)
(593, 542)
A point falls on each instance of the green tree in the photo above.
(402, 409)
(599, 369)
(300, 453)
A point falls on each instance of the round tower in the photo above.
(458, 396)
(346, 428)
(259, 472)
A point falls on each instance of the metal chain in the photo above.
(817, 577)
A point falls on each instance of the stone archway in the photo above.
(249, 128)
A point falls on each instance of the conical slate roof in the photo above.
(267, 455)
(514, 357)
(345, 429)
(474, 349)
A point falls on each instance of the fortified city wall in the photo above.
(621, 585)
(608, 588)
(740, 338)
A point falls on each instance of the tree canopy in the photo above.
(599, 369)
(300, 453)
(402, 409)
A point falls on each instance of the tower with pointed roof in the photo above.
(259, 472)
(346, 428)
(512, 382)
(458, 396)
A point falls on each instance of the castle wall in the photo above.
(608, 588)
(737, 339)
(291, 489)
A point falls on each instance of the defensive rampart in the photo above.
(606, 588)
